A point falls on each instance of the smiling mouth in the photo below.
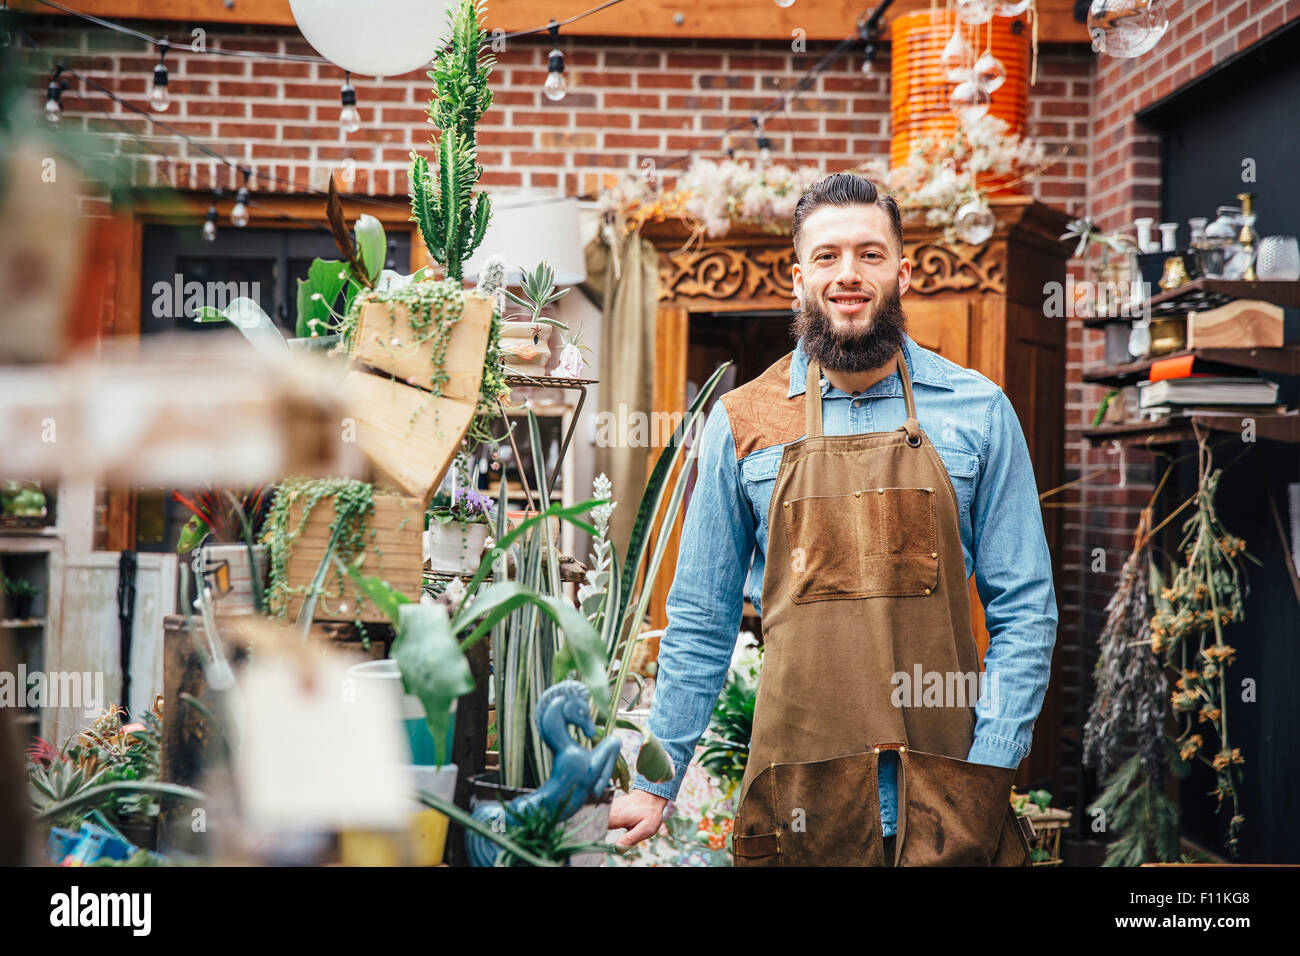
(848, 301)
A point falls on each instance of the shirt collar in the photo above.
(920, 363)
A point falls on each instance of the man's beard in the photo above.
(871, 349)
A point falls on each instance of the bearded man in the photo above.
(866, 478)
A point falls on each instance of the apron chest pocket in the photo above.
(868, 543)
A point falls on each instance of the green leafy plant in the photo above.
(1145, 819)
(539, 292)
(451, 220)
(22, 499)
(726, 743)
(467, 506)
(20, 587)
(544, 833)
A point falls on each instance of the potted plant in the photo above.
(22, 504)
(457, 532)
(224, 527)
(525, 337)
(21, 594)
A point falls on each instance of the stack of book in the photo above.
(1187, 383)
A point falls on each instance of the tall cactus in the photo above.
(451, 219)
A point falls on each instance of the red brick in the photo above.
(637, 101)
(665, 81)
(522, 117)
(537, 159)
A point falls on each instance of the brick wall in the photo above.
(627, 100)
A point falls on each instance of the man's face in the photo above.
(848, 278)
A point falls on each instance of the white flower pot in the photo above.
(526, 347)
(455, 547)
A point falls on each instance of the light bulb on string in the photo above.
(866, 33)
(239, 214)
(554, 88)
(54, 95)
(210, 224)
(349, 118)
(159, 99)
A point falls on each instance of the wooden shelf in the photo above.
(1273, 426)
(14, 624)
(1201, 294)
(1283, 361)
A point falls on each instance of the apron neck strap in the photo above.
(813, 405)
(812, 401)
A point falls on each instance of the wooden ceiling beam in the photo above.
(745, 20)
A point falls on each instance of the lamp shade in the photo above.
(379, 38)
(530, 228)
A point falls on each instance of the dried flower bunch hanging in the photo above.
(1131, 694)
(1203, 600)
(1131, 688)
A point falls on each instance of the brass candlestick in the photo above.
(1247, 237)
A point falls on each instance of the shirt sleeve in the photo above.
(705, 602)
(1013, 574)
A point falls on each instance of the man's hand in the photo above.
(640, 812)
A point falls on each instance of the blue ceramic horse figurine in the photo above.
(576, 772)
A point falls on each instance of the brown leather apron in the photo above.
(865, 581)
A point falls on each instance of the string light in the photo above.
(554, 87)
(349, 118)
(239, 214)
(159, 99)
(868, 46)
(54, 95)
(764, 144)
(210, 225)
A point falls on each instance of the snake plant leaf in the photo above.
(372, 245)
(326, 277)
(121, 788)
(648, 513)
(652, 761)
(432, 665)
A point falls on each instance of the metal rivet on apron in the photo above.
(875, 750)
(934, 554)
(880, 491)
(786, 504)
(930, 490)
(927, 590)
(857, 494)
(902, 749)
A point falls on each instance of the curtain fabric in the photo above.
(623, 283)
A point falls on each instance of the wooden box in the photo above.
(1244, 323)
(386, 342)
(394, 552)
(409, 434)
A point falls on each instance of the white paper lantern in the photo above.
(378, 38)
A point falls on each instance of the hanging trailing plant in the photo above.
(1205, 598)
(353, 503)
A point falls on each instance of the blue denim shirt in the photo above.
(977, 435)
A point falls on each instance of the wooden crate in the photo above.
(394, 553)
(385, 340)
(410, 435)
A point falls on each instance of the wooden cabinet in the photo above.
(981, 307)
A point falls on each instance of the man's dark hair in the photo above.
(845, 189)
